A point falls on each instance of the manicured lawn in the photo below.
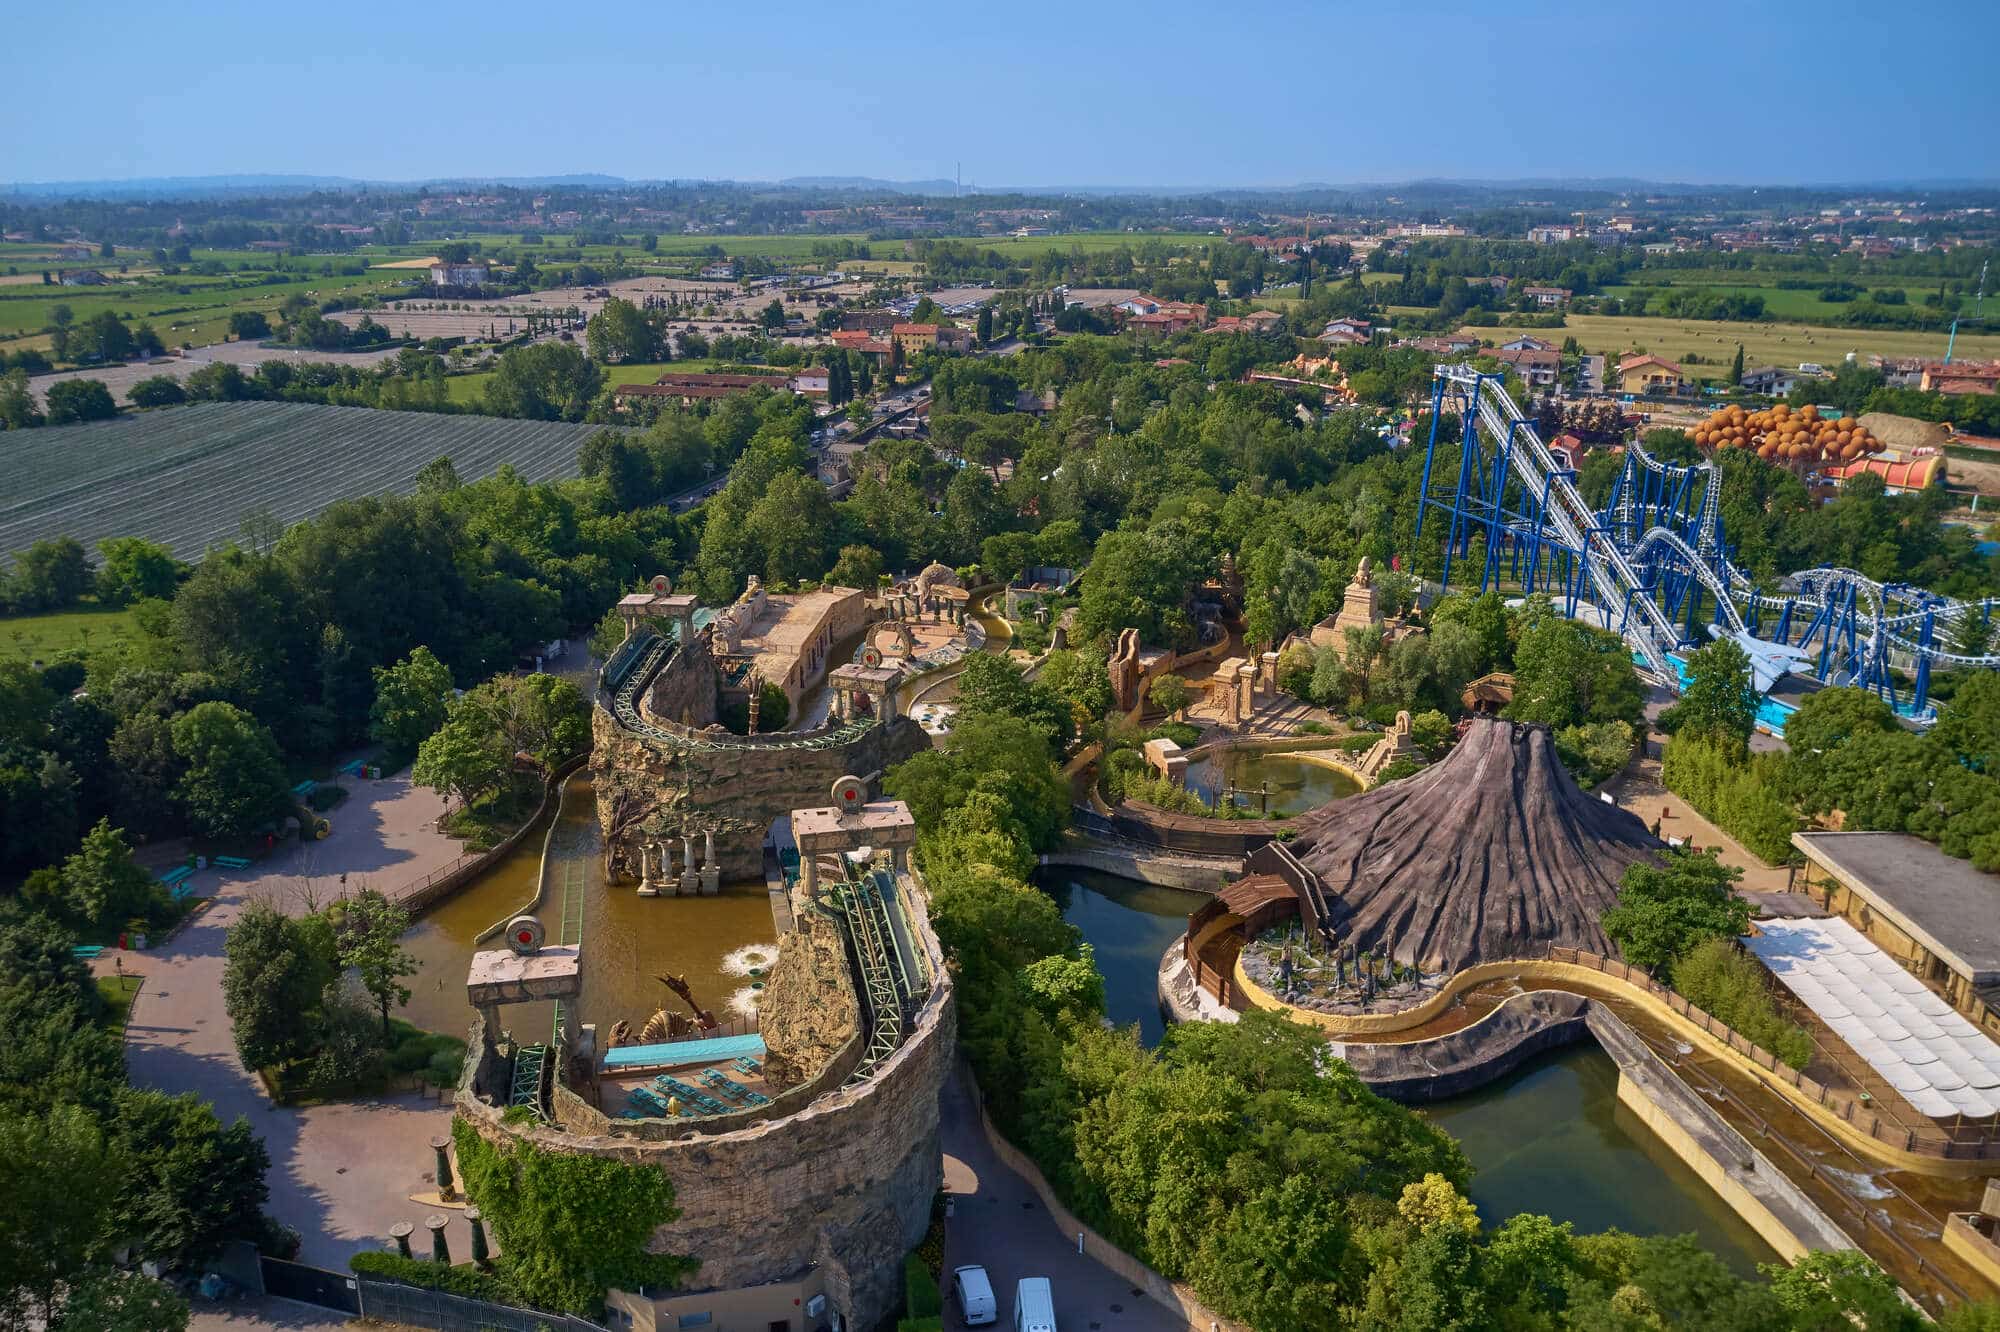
(119, 991)
(43, 637)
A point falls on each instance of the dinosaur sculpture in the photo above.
(678, 984)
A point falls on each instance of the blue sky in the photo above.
(1236, 92)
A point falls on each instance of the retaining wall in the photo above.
(428, 893)
(1863, 1130)
(1526, 1024)
(846, 1183)
(1161, 870)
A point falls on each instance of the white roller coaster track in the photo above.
(1883, 629)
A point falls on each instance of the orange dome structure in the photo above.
(1794, 437)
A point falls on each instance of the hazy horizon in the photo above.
(1118, 96)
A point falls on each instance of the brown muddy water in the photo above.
(627, 940)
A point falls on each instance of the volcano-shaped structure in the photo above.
(1492, 853)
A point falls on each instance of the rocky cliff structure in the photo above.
(816, 1194)
(665, 771)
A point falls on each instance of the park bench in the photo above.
(232, 862)
(85, 952)
(174, 877)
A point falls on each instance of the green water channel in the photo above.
(1295, 784)
(1550, 1137)
(627, 939)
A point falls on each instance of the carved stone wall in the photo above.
(685, 689)
(653, 786)
(845, 1183)
(809, 1011)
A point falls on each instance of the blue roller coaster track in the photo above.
(1653, 565)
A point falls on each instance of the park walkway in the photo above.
(1639, 791)
(341, 1173)
(999, 1223)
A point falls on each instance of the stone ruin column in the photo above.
(711, 872)
(646, 886)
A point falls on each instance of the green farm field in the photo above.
(1784, 303)
(183, 308)
(1783, 344)
(468, 388)
(43, 637)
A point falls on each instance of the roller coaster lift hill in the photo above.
(1653, 565)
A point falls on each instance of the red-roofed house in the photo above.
(914, 338)
(1961, 377)
(1345, 332)
(1538, 368)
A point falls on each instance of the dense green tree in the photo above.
(1666, 909)
(133, 569)
(369, 929)
(275, 976)
(1007, 755)
(56, 1218)
(99, 884)
(108, 1300)
(412, 698)
(235, 780)
(159, 391)
(17, 404)
(1566, 674)
(995, 686)
(49, 575)
(620, 331)
(1968, 727)
(467, 757)
(1719, 700)
(191, 1184)
(543, 381)
(74, 400)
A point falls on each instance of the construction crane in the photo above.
(1977, 301)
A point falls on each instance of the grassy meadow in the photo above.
(45, 637)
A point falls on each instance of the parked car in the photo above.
(1034, 1306)
(974, 1293)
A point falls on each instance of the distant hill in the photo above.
(867, 183)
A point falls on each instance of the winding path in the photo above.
(341, 1173)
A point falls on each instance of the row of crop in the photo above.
(293, 462)
(124, 451)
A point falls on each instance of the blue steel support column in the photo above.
(1496, 527)
(1923, 691)
(1468, 450)
(1430, 449)
(1539, 523)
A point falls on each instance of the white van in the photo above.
(974, 1292)
(1034, 1306)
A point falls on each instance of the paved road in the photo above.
(999, 1223)
(341, 1174)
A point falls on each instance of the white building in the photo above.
(473, 274)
